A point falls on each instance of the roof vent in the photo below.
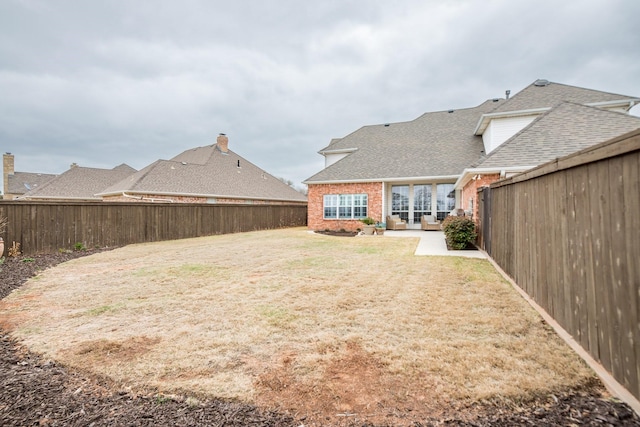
(507, 93)
(184, 163)
(541, 83)
(496, 99)
(450, 111)
(386, 125)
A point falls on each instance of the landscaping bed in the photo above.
(40, 391)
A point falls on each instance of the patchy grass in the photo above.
(301, 322)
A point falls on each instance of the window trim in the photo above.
(350, 203)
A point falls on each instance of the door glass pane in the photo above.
(400, 201)
(446, 200)
(421, 201)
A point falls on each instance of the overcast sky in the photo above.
(102, 83)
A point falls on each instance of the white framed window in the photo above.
(344, 206)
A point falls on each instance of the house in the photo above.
(210, 174)
(421, 167)
(17, 184)
(79, 183)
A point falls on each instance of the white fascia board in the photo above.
(400, 179)
(37, 198)
(226, 196)
(613, 104)
(468, 173)
(339, 151)
(423, 178)
(486, 118)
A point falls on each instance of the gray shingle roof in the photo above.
(435, 144)
(563, 130)
(206, 171)
(80, 183)
(22, 182)
(534, 96)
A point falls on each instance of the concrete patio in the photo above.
(432, 243)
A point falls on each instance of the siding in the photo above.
(499, 130)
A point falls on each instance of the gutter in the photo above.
(613, 104)
(400, 179)
(226, 196)
(152, 199)
(468, 173)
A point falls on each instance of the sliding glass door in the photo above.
(421, 201)
(446, 200)
(400, 201)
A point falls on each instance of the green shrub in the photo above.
(368, 221)
(459, 231)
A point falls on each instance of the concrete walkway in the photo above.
(432, 243)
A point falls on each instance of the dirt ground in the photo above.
(36, 391)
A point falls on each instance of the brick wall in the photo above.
(470, 191)
(315, 220)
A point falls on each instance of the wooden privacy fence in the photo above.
(568, 233)
(42, 227)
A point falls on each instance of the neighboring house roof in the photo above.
(206, 172)
(22, 182)
(80, 183)
(565, 129)
(437, 144)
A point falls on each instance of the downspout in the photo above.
(152, 199)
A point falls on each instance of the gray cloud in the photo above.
(102, 83)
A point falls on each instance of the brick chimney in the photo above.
(223, 143)
(7, 169)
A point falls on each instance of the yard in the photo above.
(319, 326)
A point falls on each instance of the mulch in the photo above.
(38, 391)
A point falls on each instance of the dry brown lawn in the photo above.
(290, 320)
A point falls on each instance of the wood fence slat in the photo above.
(620, 345)
(631, 179)
(592, 260)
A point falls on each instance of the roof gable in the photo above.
(545, 94)
(565, 129)
(542, 95)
